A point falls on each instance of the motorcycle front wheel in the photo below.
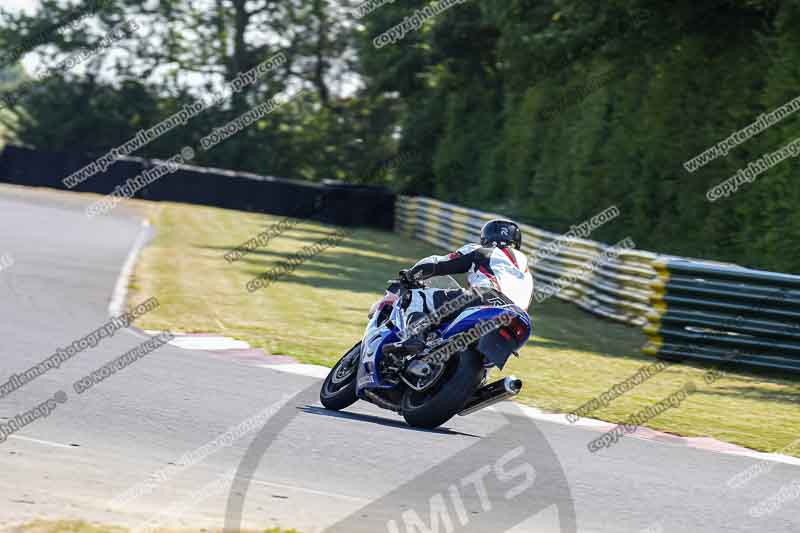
(432, 408)
(339, 388)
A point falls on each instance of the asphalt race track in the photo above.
(362, 471)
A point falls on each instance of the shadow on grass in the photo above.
(754, 393)
(337, 269)
(372, 419)
(359, 281)
(549, 344)
(558, 325)
(564, 326)
(368, 240)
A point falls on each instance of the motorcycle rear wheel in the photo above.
(432, 408)
(339, 388)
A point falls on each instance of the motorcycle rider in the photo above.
(497, 270)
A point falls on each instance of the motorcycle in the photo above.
(447, 377)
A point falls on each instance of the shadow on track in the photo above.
(372, 419)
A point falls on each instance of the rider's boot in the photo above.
(415, 343)
(410, 346)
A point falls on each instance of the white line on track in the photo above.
(312, 371)
(208, 343)
(44, 442)
(311, 491)
(117, 303)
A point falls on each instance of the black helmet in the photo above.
(501, 233)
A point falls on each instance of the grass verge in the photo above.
(319, 311)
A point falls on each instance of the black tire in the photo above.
(339, 388)
(431, 409)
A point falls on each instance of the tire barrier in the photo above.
(344, 205)
(713, 312)
(617, 288)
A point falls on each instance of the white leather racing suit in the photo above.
(504, 270)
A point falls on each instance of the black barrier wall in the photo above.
(725, 313)
(342, 204)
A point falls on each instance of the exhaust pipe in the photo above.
(491, 394)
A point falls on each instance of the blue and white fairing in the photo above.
(376, 336)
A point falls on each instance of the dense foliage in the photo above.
(550, 110)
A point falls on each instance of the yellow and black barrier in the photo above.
(607, 281)
(714, 312)
(690, 310)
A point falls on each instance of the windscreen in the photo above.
(442, 282)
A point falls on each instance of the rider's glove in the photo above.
(405, 279)
(411, 278)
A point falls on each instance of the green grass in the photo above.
(314, 314)
(319, 312)
(65, 526)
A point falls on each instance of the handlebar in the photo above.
(406, 284)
